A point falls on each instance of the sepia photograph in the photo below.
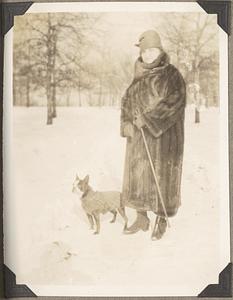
(117, 150)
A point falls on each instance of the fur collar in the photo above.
(142, 69)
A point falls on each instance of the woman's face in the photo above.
(149, 55)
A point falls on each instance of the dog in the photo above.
(95, 203)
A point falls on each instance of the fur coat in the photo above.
(158, 92)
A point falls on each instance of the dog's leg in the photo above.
(121, 211)
(114, 212)
(90, 218)
(97, 221)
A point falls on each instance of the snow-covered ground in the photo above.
(54, 244)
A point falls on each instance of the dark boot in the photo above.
(159, 229)
(142, 222)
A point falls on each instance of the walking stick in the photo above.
(155, 178)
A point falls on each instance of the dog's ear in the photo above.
(86, 179)
(77, 178)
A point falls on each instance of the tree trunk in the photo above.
(49, 117)
(54, 106)
(49, 112)
(49, 75)
(90, 97)
(28, 79)
(215, 101)
(100, 93)
(79, 94)
(196, 94)
(54, 88)
(49, 103)
(79, 89)
(197, 116)
(68, 98)
(28, 91)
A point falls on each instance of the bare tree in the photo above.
(192, 43)
(56, 43)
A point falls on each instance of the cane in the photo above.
(155, 178)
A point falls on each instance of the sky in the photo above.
(124, 29)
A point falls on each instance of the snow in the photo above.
(55, 247)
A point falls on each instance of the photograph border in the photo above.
(11, 8)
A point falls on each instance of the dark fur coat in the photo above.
(158, 92)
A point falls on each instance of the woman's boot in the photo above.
(159, 228)
(142, 222)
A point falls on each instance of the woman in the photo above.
(155, 101)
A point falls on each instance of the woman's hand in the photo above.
(129, 130)
(139, 120)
